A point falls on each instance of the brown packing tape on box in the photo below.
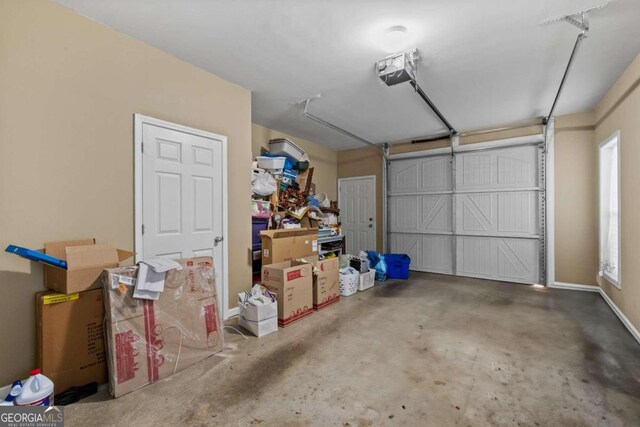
(70, 341)
(150, 340)
(285, 245)
(85, 262)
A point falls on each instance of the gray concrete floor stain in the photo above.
(432, 350)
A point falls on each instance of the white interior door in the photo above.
(356, 200)
(181, 205)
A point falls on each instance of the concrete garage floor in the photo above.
(433, 350)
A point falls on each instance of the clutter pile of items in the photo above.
(298, 246)
(284, 198)
(296, 280)
(128, 326)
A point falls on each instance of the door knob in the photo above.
(217, 240)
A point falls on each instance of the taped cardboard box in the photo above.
(70, 340)
(150, 340)
(285, 245)
(292, 282)
(259, 320)
(326, 283)
(85, 262)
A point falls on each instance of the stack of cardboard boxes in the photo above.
(145, 340)
(292, 270)
(69, 331)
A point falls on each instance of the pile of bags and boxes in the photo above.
(132, 326)
(295, 280)
(128, 326)
(288, 219)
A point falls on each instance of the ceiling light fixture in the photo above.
(395, 39)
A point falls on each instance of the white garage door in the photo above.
(474, 214)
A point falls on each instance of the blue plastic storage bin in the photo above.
(397, 265)
(257, 225)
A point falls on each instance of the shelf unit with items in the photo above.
(324, 248)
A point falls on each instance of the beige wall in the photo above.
(576, 227)
(361, 162)
(323, 160)
(69, 88)
(619, 110)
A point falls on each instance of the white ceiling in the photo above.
(485, 62)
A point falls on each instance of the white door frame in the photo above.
(140, 120)
(375, 207)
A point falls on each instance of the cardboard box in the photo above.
(326, 284)
(150, 340)
(285, 245)
(258, 319)
(85, 262)
(259, 327)
(292, 282)
(70, 339)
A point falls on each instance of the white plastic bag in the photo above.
(263, 184)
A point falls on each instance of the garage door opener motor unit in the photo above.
(398, 68)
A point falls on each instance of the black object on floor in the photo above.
(74, 394)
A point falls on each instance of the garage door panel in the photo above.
(430, 253)
(437, 254)
(435, 174)
(403, 213)
(509, 259)
(498, 213)
(499, 168)
(435, 212)
(421, 213)
(430, 174)
(518, 212)
(406, 244)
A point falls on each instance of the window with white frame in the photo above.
(609, 167)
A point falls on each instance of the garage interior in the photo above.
(491, 142)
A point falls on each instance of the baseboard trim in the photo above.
(625, 321)
(575, 287)
(590, 288)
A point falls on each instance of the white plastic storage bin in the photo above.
(349, 281)
(367, 280)
(273, 164)
(284, 147)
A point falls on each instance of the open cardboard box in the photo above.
(85, 262)
(286, 245)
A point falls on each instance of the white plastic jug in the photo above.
(36, 390)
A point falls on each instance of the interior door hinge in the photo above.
(143, 229)
(142, 147)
